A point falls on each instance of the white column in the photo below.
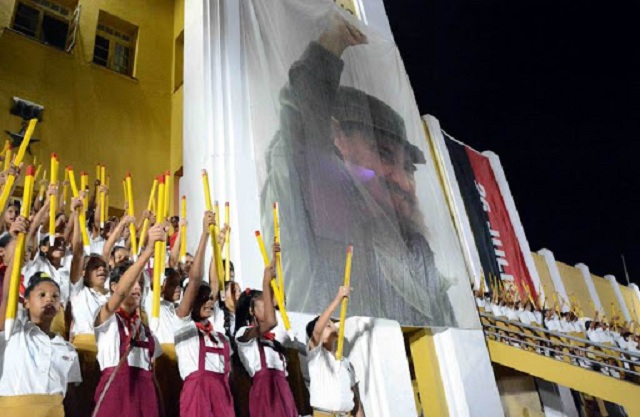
(616, 289)
(588, 280)
(636, 291)
(463, 227)
(558, 284)
(376, 349)
(498, 171)
(467, 374)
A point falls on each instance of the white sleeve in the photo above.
(105, 325)
(77, 287)
(158, 349)
(75, 375)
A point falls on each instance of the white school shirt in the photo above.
(165, 333)
(108, 341)
(553, 324)
(61, 275)
(167, 315)
(218, 319)
(496, 310)
(96, 245)
(480, 302)
(33, 363)
(511, 314)
(527, 317)
(250, 355)
(188, 348)
(538, 316)
(331, 381)
(84, 304)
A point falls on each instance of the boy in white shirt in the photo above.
(334, 389)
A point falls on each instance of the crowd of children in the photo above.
(564, 318)
(82, 344)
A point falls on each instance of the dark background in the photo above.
(552, 88)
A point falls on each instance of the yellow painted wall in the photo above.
(177, 99)
(606, 294)
(632, 301)
(518, 393)
(574, 285)
(91, 113)
(543, 272)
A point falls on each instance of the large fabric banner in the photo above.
(496, 241)
(340, 145)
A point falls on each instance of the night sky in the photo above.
(552, 88)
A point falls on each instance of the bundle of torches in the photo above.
(159, 201)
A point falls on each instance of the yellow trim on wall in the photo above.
(571, 376)
(428, 376)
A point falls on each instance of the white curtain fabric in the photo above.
(339, 144)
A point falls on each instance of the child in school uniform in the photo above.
(36, 365)
(166, 367)
(126, 347)
(333, 388)
(262, 355)
(203, 354)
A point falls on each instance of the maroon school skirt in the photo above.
(270, 395)
(206, 394)
(131, 394)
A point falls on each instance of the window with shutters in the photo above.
(115, 44)
(51, 22)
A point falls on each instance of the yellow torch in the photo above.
(18, 258)
(274, 286)
(158, 261)
(216, 246)
(7, 158)
(103, 181)
(52, 200)
(132, 213)
(84, 184)
(65, 188)
(82, 217)
(345, 303)
(168, 193)
(276, 227)
(11, 179)
(183, 230)
(145, 223)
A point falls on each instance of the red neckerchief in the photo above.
(205, 328)
(131, 321)
(269, 336)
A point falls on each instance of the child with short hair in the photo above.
(334, 388)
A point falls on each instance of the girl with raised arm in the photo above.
(203, 353)
(126, 347)
(262, 355)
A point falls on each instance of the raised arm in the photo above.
(270, 320)
(174, 255)
(76, 242)
(20, 225)
(197, 269)
(128, 280)
(316, 337)
(213, 270)
(42, 214)
(115, 235)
